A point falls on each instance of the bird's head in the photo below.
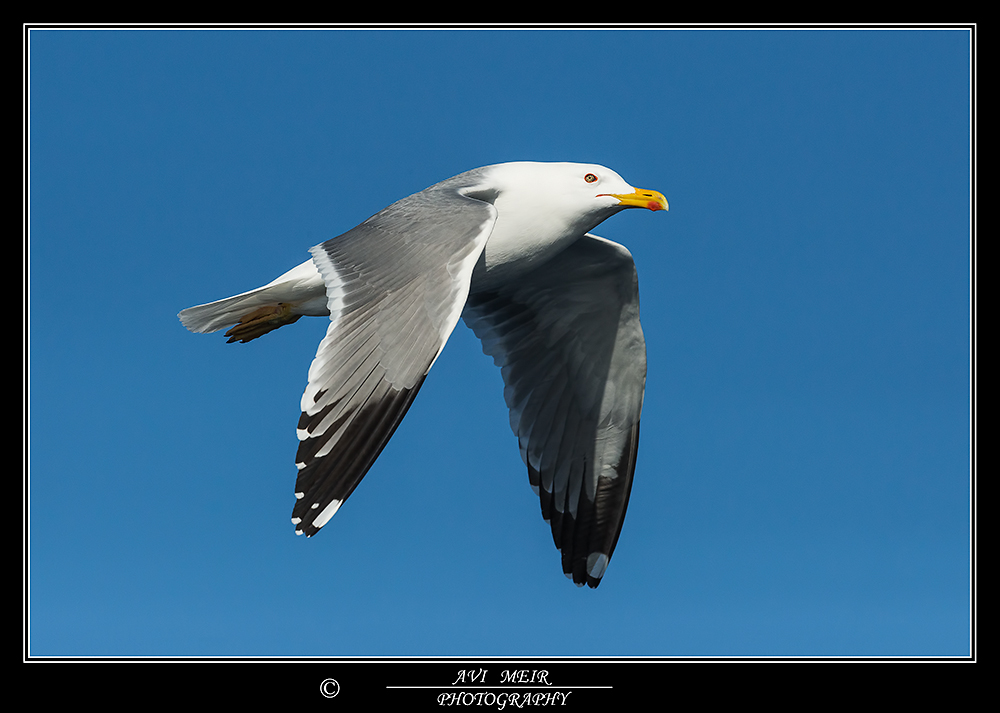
(579, 195)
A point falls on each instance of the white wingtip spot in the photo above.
(328, 512)
(597, 562)
(299, 496)
(296, 520)
(299, 532)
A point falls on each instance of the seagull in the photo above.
(508, 249)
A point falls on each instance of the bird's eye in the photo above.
(590, 178)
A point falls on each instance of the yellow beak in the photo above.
(653, 200)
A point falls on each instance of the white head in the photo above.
(559, 198)
(543, 206)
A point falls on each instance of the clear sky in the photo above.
(803, 482)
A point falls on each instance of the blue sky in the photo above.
(802, 486)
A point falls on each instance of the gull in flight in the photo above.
(508, 249)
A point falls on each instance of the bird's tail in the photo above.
(300, 291)
(220, 314)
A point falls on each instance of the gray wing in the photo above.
(395, 285)
(571, 351)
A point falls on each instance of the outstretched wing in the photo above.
(570, 348)
(395, 286)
